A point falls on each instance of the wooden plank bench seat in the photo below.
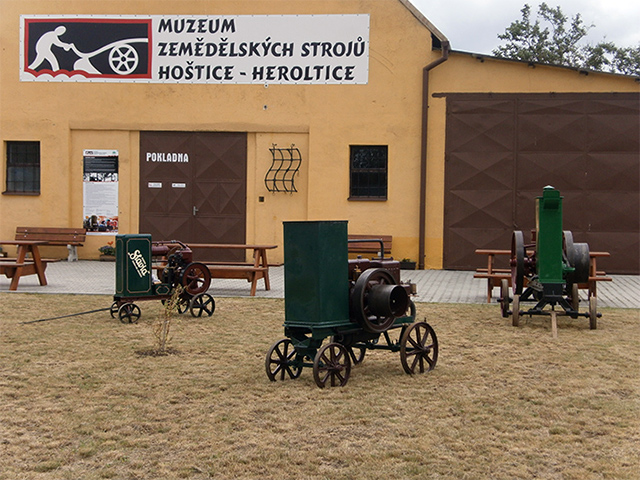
(55, 236)
(494, 275)
(373, 248)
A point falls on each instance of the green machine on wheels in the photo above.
(352, 303)
(135, 282)
(549, 271)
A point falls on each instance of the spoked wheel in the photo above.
(356, 352)
(129, 313)
(196, 278)
(593, 314)
(515, 314)
(517, 261)
(332, 365)
(377, 301)
(280, 361)
(419, 348)
(182, 305)
(504, 297)
(114, 309)
(202, 303)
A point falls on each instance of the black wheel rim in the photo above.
(419, 348)
(332, 366)
(280, 362)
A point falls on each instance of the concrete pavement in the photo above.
(437, 286)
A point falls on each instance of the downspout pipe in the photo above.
(423, 150)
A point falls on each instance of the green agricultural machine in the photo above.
(548, 271)
(135, 280)
(353, 304)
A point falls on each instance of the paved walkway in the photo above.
(438, 286)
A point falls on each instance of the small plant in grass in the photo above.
(162, 326)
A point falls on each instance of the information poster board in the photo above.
(100, 192)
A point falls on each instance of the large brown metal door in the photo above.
(502, 150)
(193, 188)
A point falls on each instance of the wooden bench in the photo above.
(372, 248)
(495, 275)
(55, 236)
(251, 271)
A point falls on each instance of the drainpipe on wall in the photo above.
(423, 149)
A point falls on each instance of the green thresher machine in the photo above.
(354, 303)
(551, 269)
(135, 282)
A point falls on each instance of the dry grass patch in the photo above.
(78, 401)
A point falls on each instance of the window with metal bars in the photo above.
(368, 172)
(23, 167)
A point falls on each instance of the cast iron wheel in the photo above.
(196, 278)
(129, 313)
(280, 361)
(515, 314)
(356, 352)
(332, 365)
(114, 309)
(504, 297)
(359, 300)
(202, 303)
(579, 259)
(419, 348)
(517, 261)
(593, 314)
(183, 304)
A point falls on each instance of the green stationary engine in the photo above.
(550, 269)
(135, 282)
(354, 303)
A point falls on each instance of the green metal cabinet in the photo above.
(133, 266)
(316, 274)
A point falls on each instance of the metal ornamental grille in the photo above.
(503, 149)
(23, 167)
(368, 172)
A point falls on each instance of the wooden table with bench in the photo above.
(495, 275)
(27, 262)
(252, 271)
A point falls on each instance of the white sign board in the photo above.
(242, 49)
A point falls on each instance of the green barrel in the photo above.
(316, 274)
(133, 265)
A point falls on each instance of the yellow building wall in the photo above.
(321, 120)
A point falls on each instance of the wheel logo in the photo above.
(123, 59)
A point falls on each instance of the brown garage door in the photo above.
(193, 188)
(501, 150)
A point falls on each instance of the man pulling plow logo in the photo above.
(98, 49)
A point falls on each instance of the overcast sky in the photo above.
(474, 25)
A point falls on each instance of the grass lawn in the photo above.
(82, 399)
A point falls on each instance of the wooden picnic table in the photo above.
(21, 265)
(252, 271)
(495, 275)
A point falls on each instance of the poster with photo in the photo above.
(100, 192)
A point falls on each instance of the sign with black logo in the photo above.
(241, 49)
